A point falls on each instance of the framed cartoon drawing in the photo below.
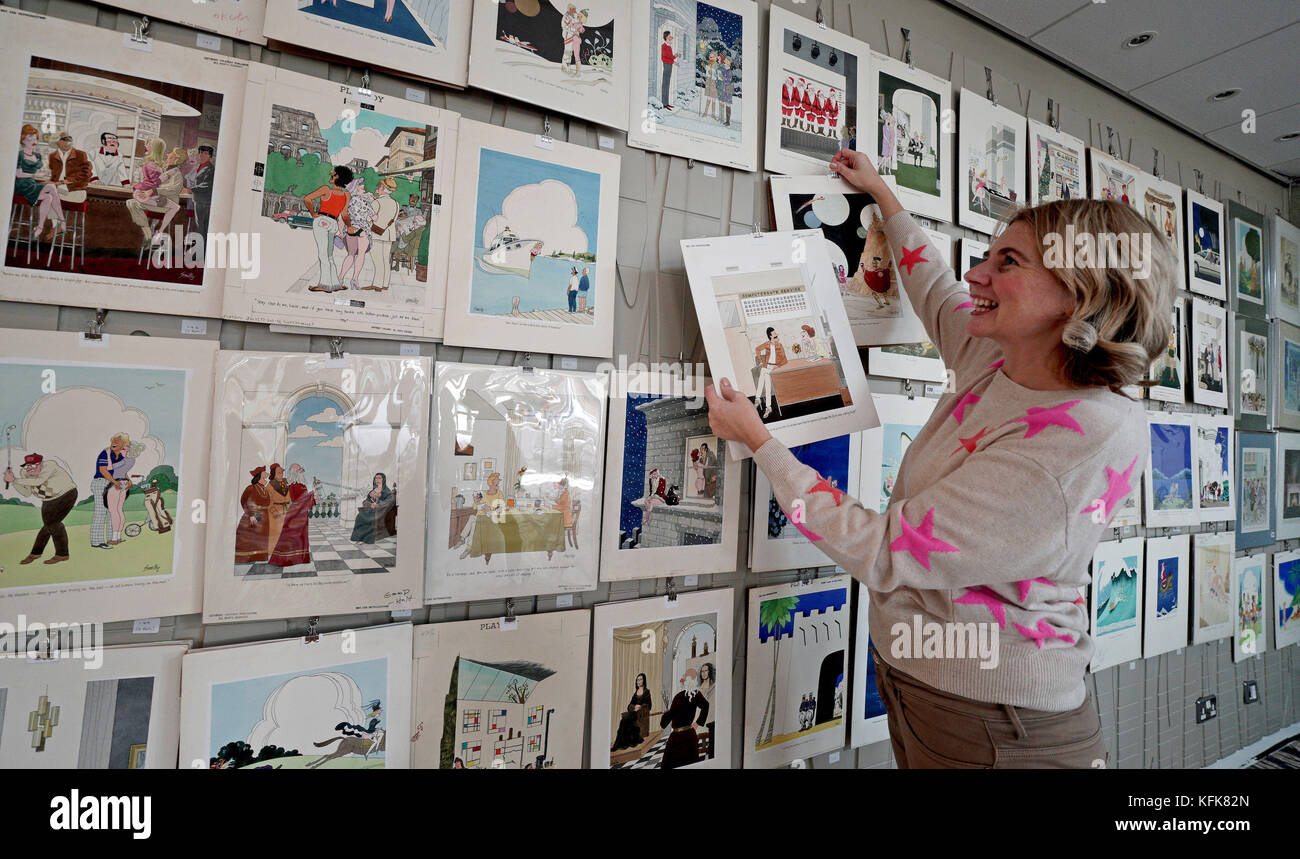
(1113, 179)
(1252, 348)
(1211, 589)
(1249, 605)
(1210, 353)
(1164, 623)
(662, 687)
(63, 713)
(125, 170)
(776, 541)
(106, 451)
(906, 137)
(498, 694)
(1162, 203)
(284, 705)
(1248, 260)
(1286, 497)
(776, 328)
(1168, 370)
(1057, 165)
(797, 673)
(822, 76)
(532, 526)
(883, 448)
(422, 38)
(870, 722)
(677, 498)
(1115, 602)
(1170, 477)
(695, 82)
(353, 194)
(1256, 515)
(1286, 269)
(972, 252)
(571, 56)
(1286, 599)
(878, 308)
(1216, 491)
(313, 459)
(1286, 374)
(532, 249)
(919, 360)
(238, 19)
(991, 163)
(1206, 266)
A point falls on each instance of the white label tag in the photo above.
(401, 613)
(101, 343)
(564, 601)
(934, 390)
(409, 350)
(259, 183)
(710, 172)
(834, 758)
(146, 626)
(606, 142)
(208, 42)
(544, 142)
(194, 326)
(568, 363)
(1179, 651)
(413, 94)
(130, 41)
(1132, 666)
(690, 581)
(509, 624)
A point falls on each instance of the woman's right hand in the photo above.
(856, 169)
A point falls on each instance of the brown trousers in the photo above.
(932, 729)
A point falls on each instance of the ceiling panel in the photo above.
(1024, 17)
(1266, 84)
(1187, 31)
(1262, 146)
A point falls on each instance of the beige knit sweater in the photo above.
(1000, 502)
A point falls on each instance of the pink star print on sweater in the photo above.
(1041, 633)
(920, 541)
(1117, 486)
(1039, 419)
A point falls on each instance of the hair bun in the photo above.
(1079, 335)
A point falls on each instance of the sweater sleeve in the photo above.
(943, 537)
(932, 288)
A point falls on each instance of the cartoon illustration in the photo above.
(991, 171)
(1167, 586)
(807, 635)
(1057, 170)
(694, 83)
(1213, 588)
(1209, 357)
(1214, 469)
(1116, 595)
(831, 459)
(1256, 495)
(118, 177)
(101, 500)
(423, 22)
(1249, 626)
(1249, 260)
(557, 40)
(538, 225)
(907, 122)
(349, 196)
(325, 718)
(1288, 273)
(1206, 250)
(669, 720)
(1171, 467)
(501, 713)
(1286, 598)
(819, 97)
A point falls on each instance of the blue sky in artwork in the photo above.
(319, 455)
(1171, 448)
(337, 138)
(501, 173)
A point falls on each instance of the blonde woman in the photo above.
(105, 465)
(145, 192)
(1003, 496)
(119, 487)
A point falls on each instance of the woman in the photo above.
(726, 89)
(31, 182)
(250, 533)
(369, 526)
(168, 193)
(116, 492)
(326, 204)
(634, 725)
(812, 347)
(707, 687)
(357, 218)
(655, 495)
(107, 460)
(710, 103)
(1045, 442)
(145, 192)
(698, 468)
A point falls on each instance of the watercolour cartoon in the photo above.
(423, 22)
(907, 121)
(694, 80)
(497, 716)
(558, 40)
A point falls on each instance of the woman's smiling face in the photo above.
(1016, 297)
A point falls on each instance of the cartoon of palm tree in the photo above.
(773, 615)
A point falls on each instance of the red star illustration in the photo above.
(920, 541)
(969, 444)
(912, 257)
(823, 485)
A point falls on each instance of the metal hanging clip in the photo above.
(988, 80)
(313, 634)
(1155, 162)
(336, 349)
(1200, 181)
(908, 389)
(95, 328)
(141, 27)
(672, 589)
(510, 611)
(907, 47)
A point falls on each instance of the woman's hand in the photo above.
(732, 417)
(856, 169)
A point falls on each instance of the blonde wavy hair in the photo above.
(1121, 323)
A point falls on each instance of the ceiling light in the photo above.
(1284, 138)
(1224, 95)
(1140, 39)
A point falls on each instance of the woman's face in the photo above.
(379, 481)
(29, 141)
(640, 681)
(1030, 303)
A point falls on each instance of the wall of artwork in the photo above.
(1145, 705)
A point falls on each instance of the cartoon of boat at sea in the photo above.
(508, 254)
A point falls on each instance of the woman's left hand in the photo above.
(732, 417)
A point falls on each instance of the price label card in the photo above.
(409, 350)
(401, 613)
(564, 601)
(146, 626)
(568, 363)
(509, 624)
(208, 42)
(194, 326)
(690, 581)
(606, 142)
(710, 172)
(544, 142)
(413, 94)
(130, 41)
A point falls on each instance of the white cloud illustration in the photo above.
(329, 416)
(366, 144)
(304, 710)
(304, 431)
(547, 211)
(337, 441)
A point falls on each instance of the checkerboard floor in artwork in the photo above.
(651, 760)
(332, 554)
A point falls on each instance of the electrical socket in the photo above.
(1206, 708)
(1249, 691)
